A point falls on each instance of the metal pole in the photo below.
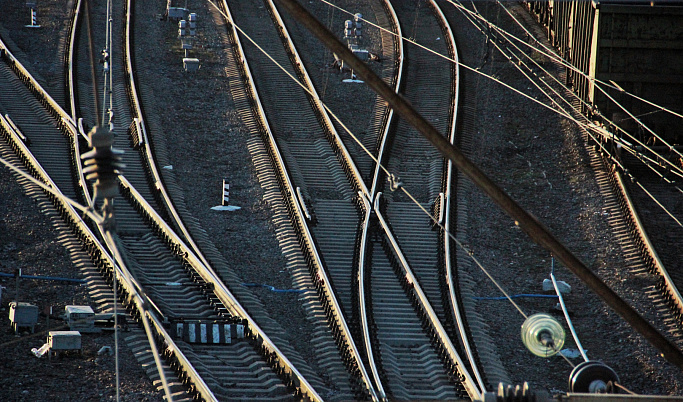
(528, 223)
(17, 274)
(91, 52)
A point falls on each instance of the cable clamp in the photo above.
(394, 182)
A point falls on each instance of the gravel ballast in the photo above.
(541, 160)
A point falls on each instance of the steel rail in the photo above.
(71, 83)
(447, 243)
(63, 119)
(422, 299)
(298, 64)
(674, 295)
(199, 386)
(321, 277)
(128, 281)
(71, 59)
(397, 87)
(220, 290)
(125, 279)
(115, 267)
(439, 331)
(67, 123)
(362, 308)
(367, 202)
(364, 195)
(193, 253)
(141, 125)
(529, 224)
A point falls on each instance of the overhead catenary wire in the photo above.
(86, 210)
(597, 83)
(565, 63)
(549, 54)
(107, 70)
(310, 93)
(588, 127)
(616, 161)
(611, 84)
(110, 239)
(410, 196)
(374, 158)
(565, 312)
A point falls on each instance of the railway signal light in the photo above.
(357, 19)
(192, 18)
(348, 29)
(182, 29)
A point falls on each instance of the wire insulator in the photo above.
(102, 163)
(542, 335)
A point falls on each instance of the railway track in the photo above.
(644, 231)
(370, 251)
(654, 236)
(654, 294)
(295, 124)
(150, 249)
(337, 224)
(414, 251)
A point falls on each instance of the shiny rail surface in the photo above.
(265, 346)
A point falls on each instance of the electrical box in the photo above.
(61, 341)
(190, 64)
(176, 13)
(80, 318)
(23, 315)
(362, 54)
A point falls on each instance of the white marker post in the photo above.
(225, 200)
(226, 194)
(34, 19)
